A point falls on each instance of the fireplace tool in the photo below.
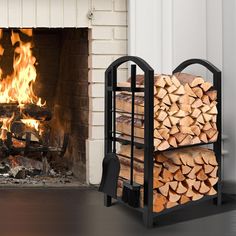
(131, 190)
(111, 164)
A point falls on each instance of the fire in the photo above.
(6, 126)
(31, 123)
(18, 87)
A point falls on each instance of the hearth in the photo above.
(43, 105)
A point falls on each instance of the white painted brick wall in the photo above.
(97, 75)
(120, 33)
(102, 5)
(100, 61)
(108, 42)
(96, 132)
(120, 5)
(95, 149)
(109, 47)
(96, 104)
(96, 118)
(96, 90)
(100, 32)
(110, 18)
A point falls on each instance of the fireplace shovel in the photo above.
(131, 190)
(111, 164)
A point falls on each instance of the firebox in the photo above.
(43, 105)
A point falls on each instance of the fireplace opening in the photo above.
(43, 105)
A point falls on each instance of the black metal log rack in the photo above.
(111, 75)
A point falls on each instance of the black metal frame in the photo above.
(111, 86)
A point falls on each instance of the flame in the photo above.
(6, 126)
(31, 123)
(28, 32)
(18, 87)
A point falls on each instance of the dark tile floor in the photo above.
(73, 212)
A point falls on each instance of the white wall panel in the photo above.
(145, 31)
(29, 13)
(167, 35)
(214, 32)
(189, 31)
(70, 13)
(83, 7)
(43, 13)
(229, 85)
(3, 13)
(56, 13)
(14, 13)
(175, 30)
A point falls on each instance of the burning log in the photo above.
(37, 112)
(29, 110)
(7, 109)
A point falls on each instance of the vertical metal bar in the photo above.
(107, 124)
(148, 147)
(114, 85)
(218, 144)
(133, 86)
(108, 114)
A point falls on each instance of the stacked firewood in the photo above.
(185, 111)
(179, 176)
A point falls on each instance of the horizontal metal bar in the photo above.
(128, 113)
(127, 89)
(185, 146)
(36, 149)
(125, 140)
(169, 149)
(191, 203)
(166, 211)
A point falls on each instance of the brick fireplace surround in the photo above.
(106, 22)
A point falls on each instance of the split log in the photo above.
(185, 111)
(212, 191)
(164, 190)
(171, 204)
(173, 196)
(180, 176)
(184, 199)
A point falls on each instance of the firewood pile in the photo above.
(185, 111)
(179, 176)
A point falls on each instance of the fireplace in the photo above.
(44, 104)
(106, 26)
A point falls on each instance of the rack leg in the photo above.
(218, 200)
(107, 200)
(147, 219)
